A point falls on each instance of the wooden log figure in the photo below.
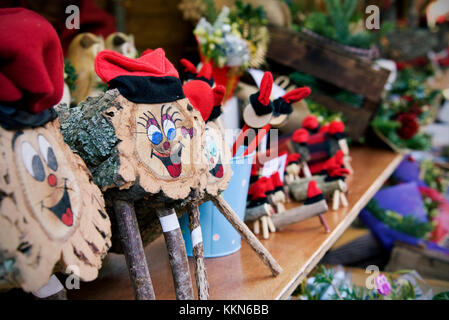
(144, 152)
(314, 205)
(142, 140)
(52, 216)
(207, 99)
(259, 209)
(292, 168)
(81, 53)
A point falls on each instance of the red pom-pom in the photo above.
(294, 157)
(310, 122)
(265, 88)
(336, 127)
(313, 190)
(188, 66)
(218, 92)
(324, 128)
(296, 94)
(200, 96)
(300, 136)
(276, 180)
(206, 71)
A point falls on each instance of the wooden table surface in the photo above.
(241, 275)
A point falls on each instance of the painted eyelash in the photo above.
(149, 120)
(165, 115)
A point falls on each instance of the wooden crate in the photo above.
(292, 51)
(429, 264)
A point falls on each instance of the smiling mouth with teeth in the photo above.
(217, 171)
(63, 209)
(174, 169)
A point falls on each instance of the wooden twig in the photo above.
(198, 253)
(133, 250)
(176, 253)
(246, 234)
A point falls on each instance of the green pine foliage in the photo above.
(336, 24)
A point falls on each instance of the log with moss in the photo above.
(102, 131)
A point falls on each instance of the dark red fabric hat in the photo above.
(260, 101)
(277, 182)
(257, 189)
(283, 105)
(314, 193)
(293, 158)
(219, 93)
(191, 73)
(337, 129)
(32, 64)
(203, 97)
(324, 128)
(300, 136)
(310, 123)
(150, 78)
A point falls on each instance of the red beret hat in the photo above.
(336, 127)
(151, 78)
(203, 97)
(32, 63)
(292, 158)
(300, 136)
(310, 122)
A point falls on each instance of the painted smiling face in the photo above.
(165, 138)
(47, 181)
(217, 156)
(51, 214)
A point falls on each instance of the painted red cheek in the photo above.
(51, 180)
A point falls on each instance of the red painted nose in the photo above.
(166, 145)
(51, 180)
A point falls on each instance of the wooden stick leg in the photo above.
(256, 227)
(271, 226)
(324, 223)
(246, 234)
(177, 253)
(343, 199)
(336, 200)
(306, 170)
(133, 250)
(198, 254)
(265, 233)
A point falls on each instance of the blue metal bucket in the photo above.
(219, 236)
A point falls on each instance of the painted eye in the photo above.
(154, 134)
(32, 162)
(47, 152)
(212, 149)
(169, 129)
